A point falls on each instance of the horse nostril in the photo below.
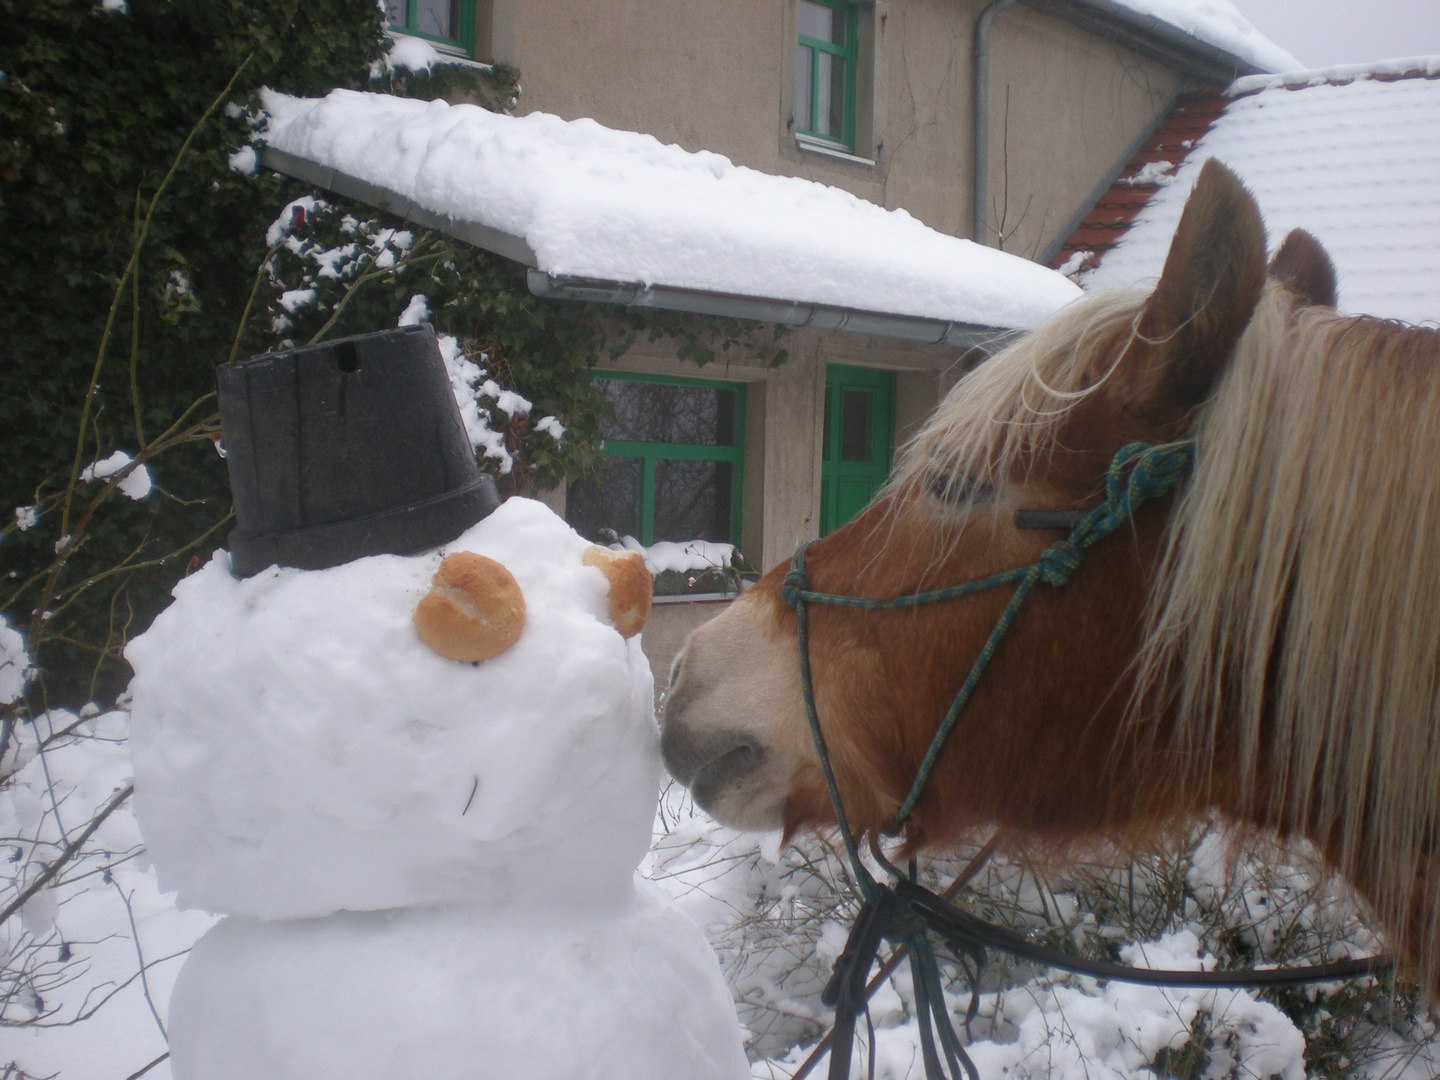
(719, 755)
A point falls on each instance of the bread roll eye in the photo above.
(473, 611)
(630, 586)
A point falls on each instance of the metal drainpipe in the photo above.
(980, 230)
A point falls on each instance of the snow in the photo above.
(416, 311)
(412, 53)
(1218, 23)
(299, 751)
(465, 992)
(1428, 66)
(26, 517)
(1354, 163)
(551, 426)
(670, 555)
(134, 485)
(595, 202)
(245, 161)
(15, 669)
(82, 942)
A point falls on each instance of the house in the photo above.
(1351, 154)
(996, 122)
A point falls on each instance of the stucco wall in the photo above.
(721, 78)
(1076, 104)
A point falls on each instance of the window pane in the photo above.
(665, 413)
(803, 118)
(606, 506)
(830, 88)
(855, 425)
(693, 500)
(821, 23)
(395, 13)
(438, 17)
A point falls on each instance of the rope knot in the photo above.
(1059, 561)
(796, 582)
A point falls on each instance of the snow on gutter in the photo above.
(1138, 28)
(617, 217)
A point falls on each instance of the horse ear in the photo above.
(1303, 266)
(1207, 292)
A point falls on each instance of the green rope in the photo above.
(1138, 473)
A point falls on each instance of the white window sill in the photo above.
(695, 598)
(830, 150)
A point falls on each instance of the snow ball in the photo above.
(416, 311)
(135, 485)
(245, 161)
(298, 750)
(15, 669)
(26, 517)
(535, 995)
(119, 7)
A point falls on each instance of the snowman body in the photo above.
(429, 865)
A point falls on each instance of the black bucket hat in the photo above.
(350, 448)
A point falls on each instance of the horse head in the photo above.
(1262, 644)
(1033, 428)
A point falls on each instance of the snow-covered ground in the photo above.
(76, 1006)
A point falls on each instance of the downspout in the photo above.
(980, 231)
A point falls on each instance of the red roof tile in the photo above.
(1113, 213)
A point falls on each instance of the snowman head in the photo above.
(475, 609)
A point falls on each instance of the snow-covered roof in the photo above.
(1218, 23)
(576, 199)
(1352, 155)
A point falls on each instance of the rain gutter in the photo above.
(1152, 37)
(979, 230)
(635, 294)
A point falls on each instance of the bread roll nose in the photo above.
(630, 586)
(473, 611)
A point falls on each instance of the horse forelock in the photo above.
(1296, 617)
(1014, 403)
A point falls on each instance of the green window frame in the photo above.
(650, 454)
(403, 17)
(813, 55)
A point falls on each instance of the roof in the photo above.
(1352, 154)
(630, 216)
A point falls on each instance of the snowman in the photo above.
(417, 785)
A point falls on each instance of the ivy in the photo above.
(142, 248)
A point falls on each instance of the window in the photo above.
(444, 22)
(670, 465)
(825, 68)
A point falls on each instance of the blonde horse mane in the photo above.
(1299, 596)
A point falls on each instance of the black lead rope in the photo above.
(907, 912)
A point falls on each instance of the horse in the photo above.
(1262, 645)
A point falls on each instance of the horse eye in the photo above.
(961, 490)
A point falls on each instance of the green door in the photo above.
(859, 429)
